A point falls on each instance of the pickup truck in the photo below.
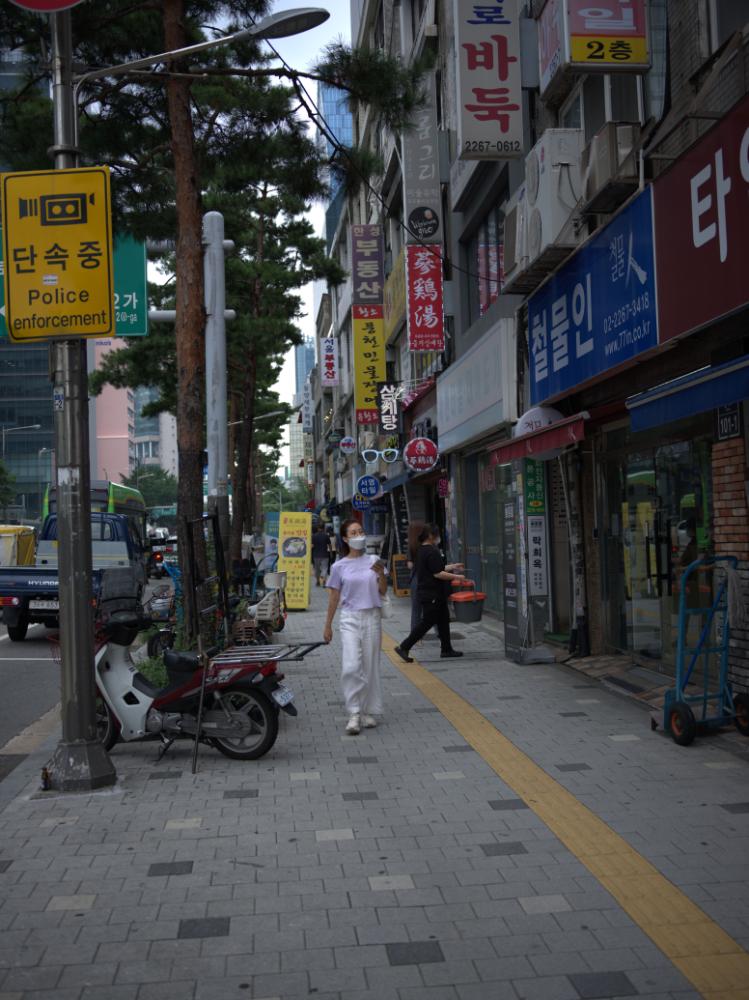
(30, 594)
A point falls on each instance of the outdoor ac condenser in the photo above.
(609, 167)
(553, 192)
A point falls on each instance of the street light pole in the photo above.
(80, 761)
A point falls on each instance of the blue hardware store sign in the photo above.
(599, 310)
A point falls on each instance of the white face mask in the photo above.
(357, 542)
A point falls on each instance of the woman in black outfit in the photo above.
(432, 579)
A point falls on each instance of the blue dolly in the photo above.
(696, 700)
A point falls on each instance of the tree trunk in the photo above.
(190, 321)
(244, 454)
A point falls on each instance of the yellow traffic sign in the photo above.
(57, 243)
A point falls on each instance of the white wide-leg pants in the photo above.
(361, 637)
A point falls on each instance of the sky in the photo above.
(301, 52)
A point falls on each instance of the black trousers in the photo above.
(432, 613)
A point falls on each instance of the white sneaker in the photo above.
(353, 726)
(368, 721)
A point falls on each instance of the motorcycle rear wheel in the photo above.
(264, 717)
(107, 730)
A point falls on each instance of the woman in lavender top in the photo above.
(357, 582)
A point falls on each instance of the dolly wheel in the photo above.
(741, 708)
(682, 724)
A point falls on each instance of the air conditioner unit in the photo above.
(515, 255)
(552, 186)
(609, 167)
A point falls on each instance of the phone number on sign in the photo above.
(626, 312)
(486, 146)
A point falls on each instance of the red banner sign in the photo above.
(702, 229)
(424, 297)
(46, 6)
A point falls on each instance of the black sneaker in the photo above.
(404, 655)
(450, 654)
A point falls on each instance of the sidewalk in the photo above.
(398, 864)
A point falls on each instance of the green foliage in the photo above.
(159, 488)
(7, 488)
(153, 670)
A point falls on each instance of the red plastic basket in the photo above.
(468, 604)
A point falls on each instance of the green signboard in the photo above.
(130, 289)
(535, 494)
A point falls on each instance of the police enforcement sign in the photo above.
(57, 252)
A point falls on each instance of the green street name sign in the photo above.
(130, 289)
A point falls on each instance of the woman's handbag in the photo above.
(387, 605)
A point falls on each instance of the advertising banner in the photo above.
(605, 37)
(422, 195)
(599, 310)
(367, 265)
(608, 36)
(490, 106)
(329, 372)
(395, 296)
(307, 408)
(702, 229)
(424, 296)
(294, 556)
(369, 361)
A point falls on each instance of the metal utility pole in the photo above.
(80, 762)
(217, 437)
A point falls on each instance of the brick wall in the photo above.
(731, 537)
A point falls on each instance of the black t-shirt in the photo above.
(429, 560)
(320, 545)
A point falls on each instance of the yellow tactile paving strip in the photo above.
(717, 966)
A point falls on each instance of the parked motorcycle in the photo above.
(232, 703)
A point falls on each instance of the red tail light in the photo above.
(9, 602)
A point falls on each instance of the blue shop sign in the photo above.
(599, 310)
(368, 486)
(360, 503)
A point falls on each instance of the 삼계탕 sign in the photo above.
(57, 249)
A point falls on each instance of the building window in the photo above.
(485, 263)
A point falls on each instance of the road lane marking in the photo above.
(710, 958)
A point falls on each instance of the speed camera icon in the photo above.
(57, 209)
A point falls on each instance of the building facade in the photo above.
(581, 174)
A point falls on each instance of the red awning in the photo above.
(537, 443)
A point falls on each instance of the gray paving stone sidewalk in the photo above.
(394, 865)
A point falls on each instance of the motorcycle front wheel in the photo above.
(263, 718)
(107, 730)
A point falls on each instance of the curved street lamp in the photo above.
(279, 25)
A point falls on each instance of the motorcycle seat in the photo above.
(180, 662)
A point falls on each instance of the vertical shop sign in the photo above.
(388, 394)
(294, 556)
(490, 115)
(535, 493)
(329, 377)
(401, 517)
(424, 297)
(307, 408)
(551, 38)
(421, 179)
(510, 581)
(537, 568)
(369, 360)
(395, 296)
(367, 265)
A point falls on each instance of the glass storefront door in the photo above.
(657, 505)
